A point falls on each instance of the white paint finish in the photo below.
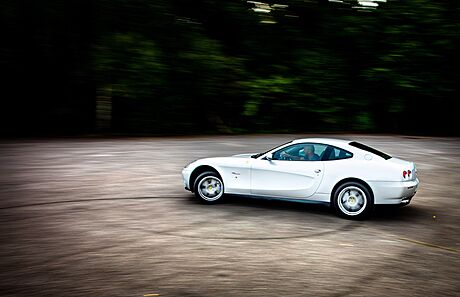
(291, 179)
(242, 174)
(393, 192)
(238, 183)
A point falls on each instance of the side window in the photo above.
(334, 153)
(301, 152)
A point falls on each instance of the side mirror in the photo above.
(269, 157)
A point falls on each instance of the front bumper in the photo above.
(186, 172)
(400, 192)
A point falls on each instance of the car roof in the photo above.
(331, 141)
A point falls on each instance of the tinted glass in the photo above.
(370, 150)
(301, 152)
(334, 153)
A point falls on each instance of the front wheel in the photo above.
(353, 200)
(209, 188)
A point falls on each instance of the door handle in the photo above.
(317, 170)
(235, 173)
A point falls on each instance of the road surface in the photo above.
(110, 217)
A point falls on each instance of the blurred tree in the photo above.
(177, 67)
(130, 72)
(211, 83)
(413, 70)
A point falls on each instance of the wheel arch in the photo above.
(351, 179)
(199, 170)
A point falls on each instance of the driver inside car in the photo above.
(308, 154)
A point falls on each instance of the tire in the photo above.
(209, 188)
(352, 200)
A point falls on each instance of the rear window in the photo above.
(370, 149)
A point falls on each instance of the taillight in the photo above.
(407, 173)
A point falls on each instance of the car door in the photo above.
(287, 177)
(236, 174)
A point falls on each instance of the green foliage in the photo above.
(235, 66)
(130, 64)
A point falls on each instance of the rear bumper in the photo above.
(394, 192)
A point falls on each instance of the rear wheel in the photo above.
(353, 200)
(209, 188)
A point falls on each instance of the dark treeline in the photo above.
(202, 66)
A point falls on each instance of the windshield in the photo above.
(370, 150)
(260, 154)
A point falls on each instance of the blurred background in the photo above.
(169, 67)
(90, 216)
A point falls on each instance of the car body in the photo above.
(346, 174)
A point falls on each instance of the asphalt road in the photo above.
(110, 217)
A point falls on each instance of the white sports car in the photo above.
(348, 175)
